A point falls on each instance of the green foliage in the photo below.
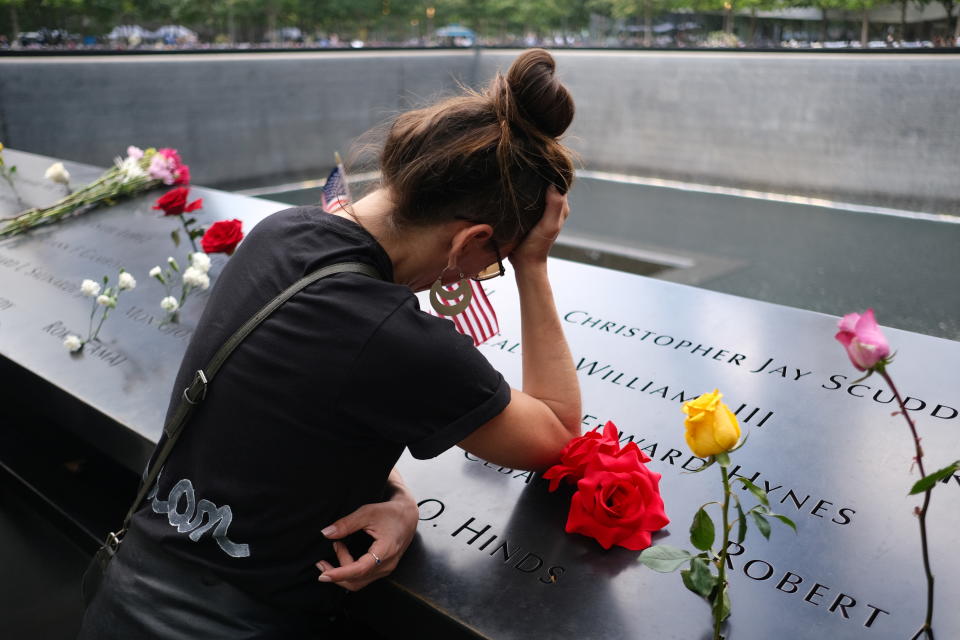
(927, 482)
(702, 531)
(757, 491)
(698, 577)
(664, 558)
(741, 524)
(785, 520)
(720, 606)
(763, 526)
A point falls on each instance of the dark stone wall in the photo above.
(875, 129)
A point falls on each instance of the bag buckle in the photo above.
(197, 391)
(113, 540)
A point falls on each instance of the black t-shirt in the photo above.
(308, 416)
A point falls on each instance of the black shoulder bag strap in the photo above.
(193, 395)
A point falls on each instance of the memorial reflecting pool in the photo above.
(832, 258)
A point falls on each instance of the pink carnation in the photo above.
(160, 170)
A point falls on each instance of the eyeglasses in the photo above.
(495, 270)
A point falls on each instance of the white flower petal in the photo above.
(127, 281)
(72, 342)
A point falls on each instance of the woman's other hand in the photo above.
(536, 245)
(391, 524)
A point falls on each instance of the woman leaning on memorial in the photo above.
(305, 421)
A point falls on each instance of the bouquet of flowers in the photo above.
(140, 171)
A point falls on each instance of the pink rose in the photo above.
(861, 337)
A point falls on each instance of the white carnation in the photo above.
(58, 173)
(127, 281)
(155, 272)
(169, 304)
(89, 288)
(193, 277)
(72, 342)
(201, 261)
(106, 301)
(130, 169)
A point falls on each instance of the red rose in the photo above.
(580, 452)
(618, 501)
(222, 237)
(174, 202)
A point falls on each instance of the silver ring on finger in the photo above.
(375, 557)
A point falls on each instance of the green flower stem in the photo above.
(927, 627)
(722, 570)
(105, 187)
(186, 229)
(93, 312)
(106, 310)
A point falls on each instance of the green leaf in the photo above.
(664, 558)
(698, 577)
(927, 482)
(741, 524)
(189, 221)
(702, 531)
(13, 169)
(721, 604)
(175, 236)
(757, 491)
(762, 524)
(785, 520)
(723, 459)
(196, 233)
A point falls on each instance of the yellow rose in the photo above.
(711, 426)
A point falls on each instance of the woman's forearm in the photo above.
(548, 371)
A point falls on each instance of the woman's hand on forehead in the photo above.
(536, 246)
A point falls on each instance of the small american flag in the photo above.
(478, 320)
(334, 194)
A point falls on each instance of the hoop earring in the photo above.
(438, 294)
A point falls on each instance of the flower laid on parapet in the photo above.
(194, 277)
(869, 351)
(174, 203)
(617, 501)
(104, 299)
(713, 433)
(7, 172)
(139, 171)
(58, 173)
(221, 237)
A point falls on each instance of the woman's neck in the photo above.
(418, 254)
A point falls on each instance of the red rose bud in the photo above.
(222, 237)
(860, 335)
(174, 202)
(618, 501)
(580, 452)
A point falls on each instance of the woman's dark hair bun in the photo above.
(538, 94)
